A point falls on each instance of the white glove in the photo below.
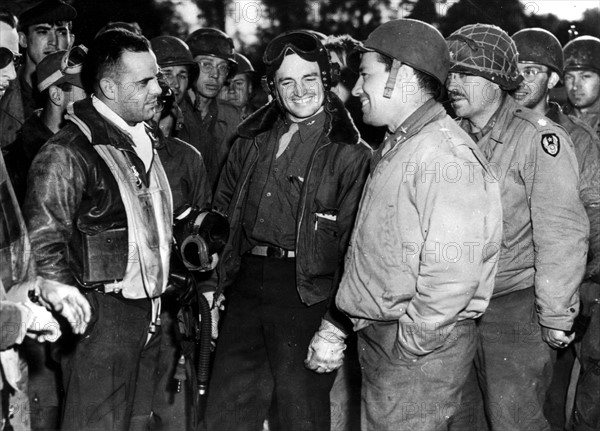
(326, 349)
(42, 325)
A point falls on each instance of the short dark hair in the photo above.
(8, 18)
(426, 82)
(104, 55)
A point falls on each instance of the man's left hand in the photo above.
(326, 349)
(556, 338)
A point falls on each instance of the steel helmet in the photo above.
(583, 53)
(172, 51)
(485, 50)
(536, 45)
(214, 43)
(243, 64)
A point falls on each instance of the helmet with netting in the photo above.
(485, 50)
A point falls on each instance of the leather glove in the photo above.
(42, 326)
(326, 349)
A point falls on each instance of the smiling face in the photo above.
(299, 87)
(8, 39)
(535, 85)
(583, 88)
(377, 110)
(137, 87)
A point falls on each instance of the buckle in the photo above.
(276, 252)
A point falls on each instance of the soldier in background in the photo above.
(541, 64)
(582, 80)
(209, 123)
(543, 250)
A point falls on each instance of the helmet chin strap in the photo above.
(391, 81)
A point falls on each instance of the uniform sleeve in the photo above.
(452, 209)
(200, 194)
(230, 175)
(55, 187)
(353, 178)
(560, 227)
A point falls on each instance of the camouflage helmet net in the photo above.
(485, 50)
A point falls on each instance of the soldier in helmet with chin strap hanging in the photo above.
(413, 304)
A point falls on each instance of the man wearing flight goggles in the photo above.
(291, 187)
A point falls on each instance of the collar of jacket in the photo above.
(101, 129)
(338, 123)
(430, 111)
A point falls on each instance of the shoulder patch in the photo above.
(551, 144)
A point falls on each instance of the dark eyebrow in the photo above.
(308, 75)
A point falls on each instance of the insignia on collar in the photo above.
(542, 122)
(551, 144)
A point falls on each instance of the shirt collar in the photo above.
(309, 126)
(134, 132)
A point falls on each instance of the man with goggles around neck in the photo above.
(291, 187)
(59, 84)
(43, 29)
(20, 288)
(209, 124)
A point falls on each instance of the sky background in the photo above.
(571, 10)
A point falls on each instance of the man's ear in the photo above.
(22, 40)
(56, 95)
(553, 80)
(109, 89)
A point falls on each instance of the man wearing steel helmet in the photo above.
(544, 245)
(412, 304)
(541, 63)
(290, 187)
(209, 123)
(240, 88)
(582, 79)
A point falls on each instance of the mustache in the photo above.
(456, 94)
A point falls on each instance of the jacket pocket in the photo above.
(325, 243)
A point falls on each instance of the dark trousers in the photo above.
(260, 354)
(514, 367)
(587, 400)
(401, 395)
(109, 376)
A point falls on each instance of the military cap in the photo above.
(47, 11)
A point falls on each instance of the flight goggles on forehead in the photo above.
(303, 44)
(7, 57)
(70, 63)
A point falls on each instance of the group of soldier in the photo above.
(412, 211)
